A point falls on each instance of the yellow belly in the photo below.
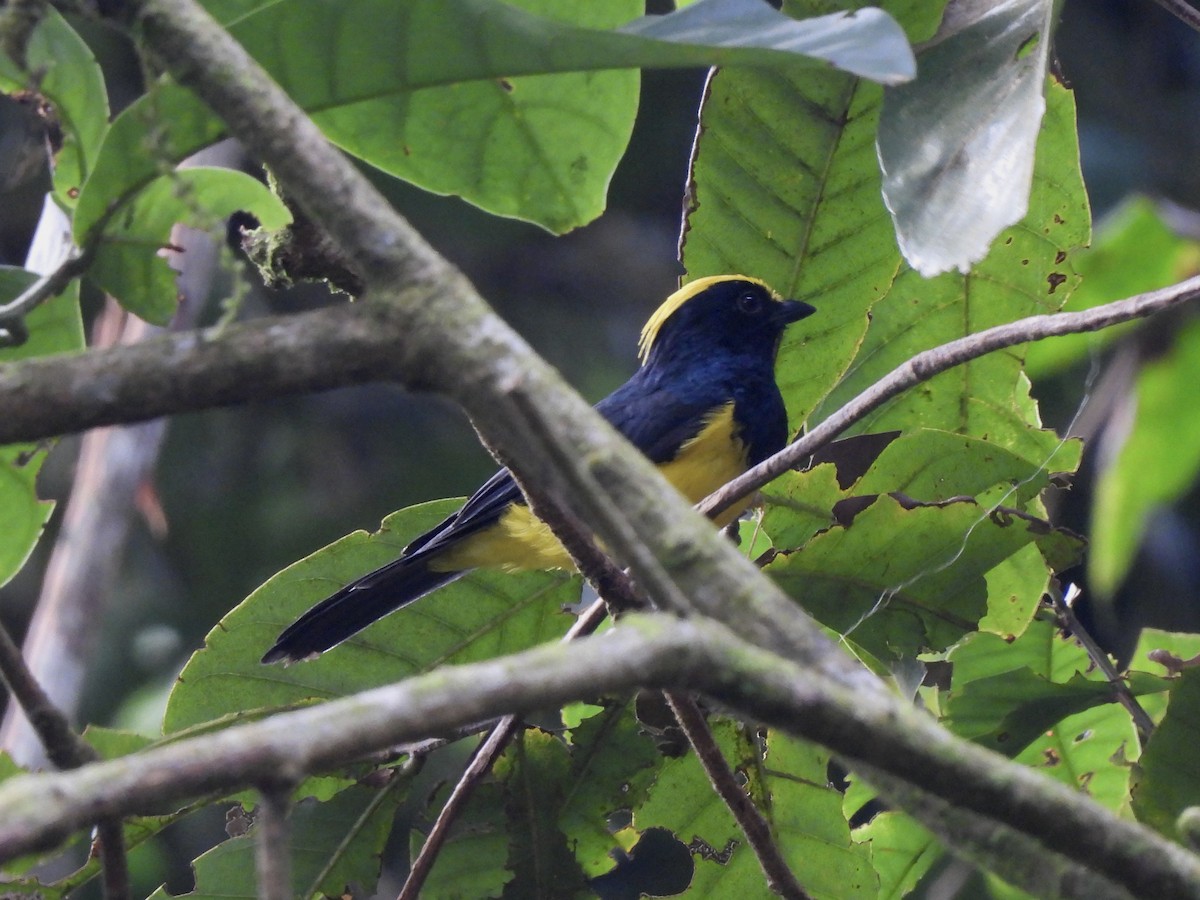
(522, 541)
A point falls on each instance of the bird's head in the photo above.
(720, 314)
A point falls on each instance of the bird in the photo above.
(704, 406)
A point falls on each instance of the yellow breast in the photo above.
(522, 541)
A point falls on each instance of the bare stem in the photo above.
(66, 750)
(273, 851)
(114, 861)
(933, 362)
(1065, 611)
(1183, 11)
(481, 763)
(753, 823)
(64, 747)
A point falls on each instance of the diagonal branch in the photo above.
(67, 750)
(933, 362)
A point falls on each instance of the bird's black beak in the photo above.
(793, 311)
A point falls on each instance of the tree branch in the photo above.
(871, 731)
(64, 747)
(933, 362)
(273, 850)
(66, 750)
(1183, 11)
(749, 817)
(1064, 609)
(481, 763)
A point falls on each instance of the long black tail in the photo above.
(355, 607)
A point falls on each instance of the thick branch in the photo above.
(197, 370)
(865, 729)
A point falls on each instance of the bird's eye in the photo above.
(750, 303)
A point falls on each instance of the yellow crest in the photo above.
(682, 296)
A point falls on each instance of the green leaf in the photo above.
(611, 766)
(1092, 751)
(1134, 251)
(1167, 780)
(800, 505)
(335, 845)
(1160, 653)
(534, 773)
(775, 150)
(1015, 589)
(683, 801)
(482, 615)
(902, 852)
(899, 581)
(932, 465)
(473, 861)
(1025, 273)
(957, 144)
(785, 185)
(127, 263)
(443, 107)
(808, 824)
(68, 76)
(111, 743)
(1155, 466)
(54, 327)
(1006, 694)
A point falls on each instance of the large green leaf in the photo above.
(683, 801)
(808, 824)
(1006, 694)
(786, 187)
(1025, 273)
(535, 774)
(957, 144)
(611, 765)
(1093, 751)
(899, 581)
(1156, 464)
(440, 102)
(473, 861)
(68, 76)
(932, 465)
(902, 852)
(482, 615)
(335, 845)
(54, 327)
(128, 263)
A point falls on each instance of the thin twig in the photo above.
(753, 823)
(66, 750)
(1064, 609)
(1183, 11)
(273, 847)
(933, 362)
(12, 314)
(481, 763)
(114, 859)
(64, 747)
